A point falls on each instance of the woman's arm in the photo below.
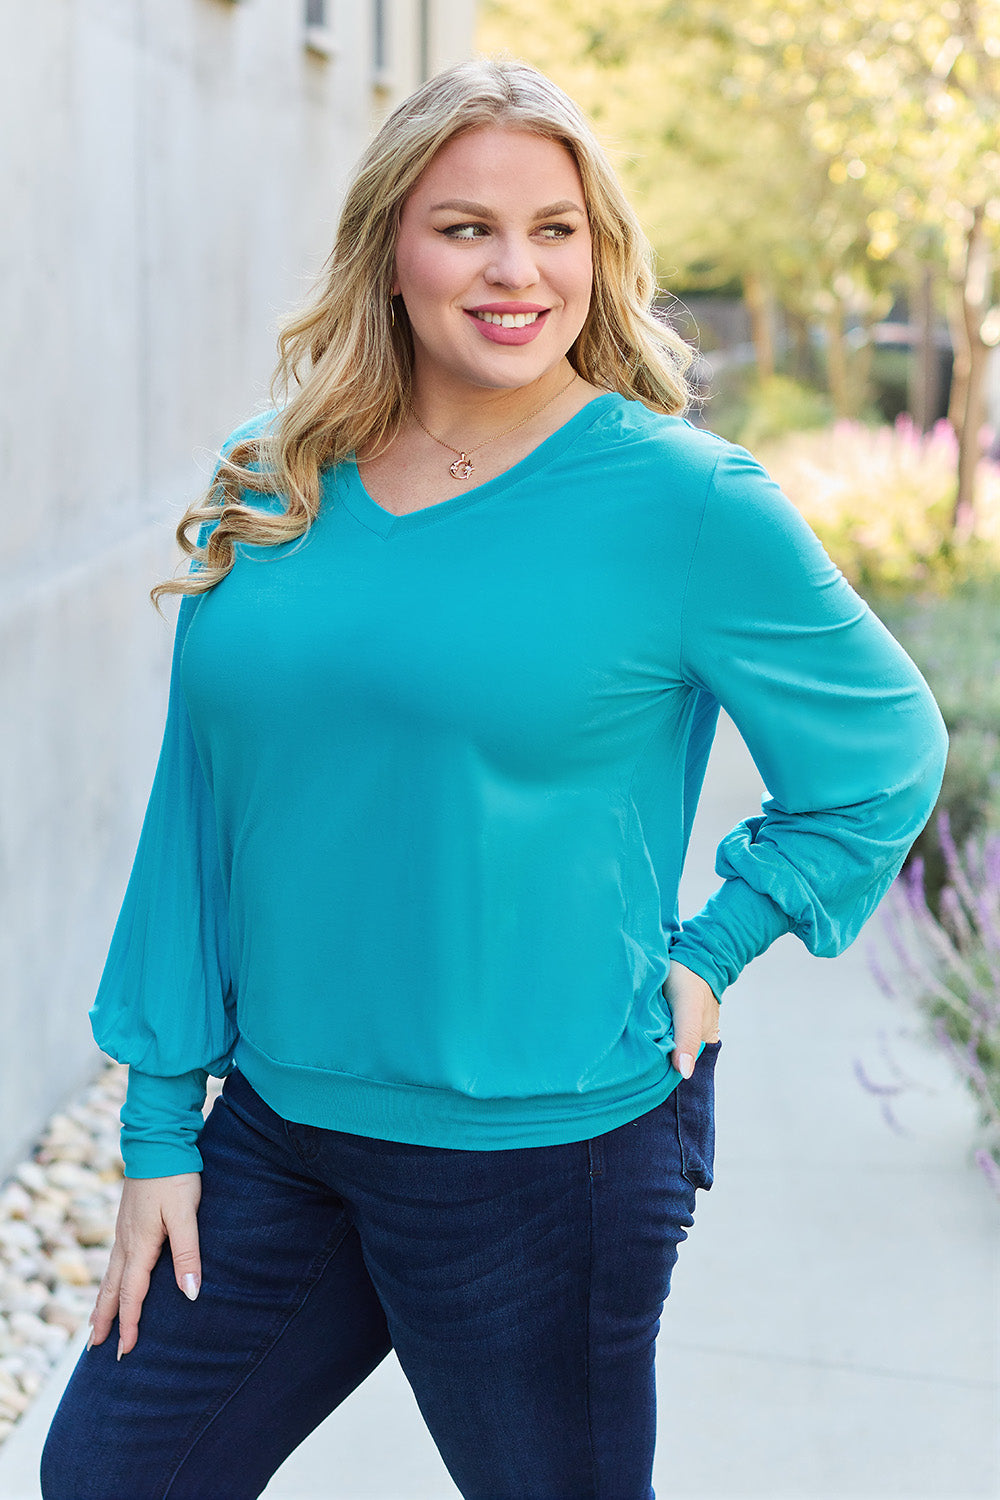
(841, 725)
(164, 1004)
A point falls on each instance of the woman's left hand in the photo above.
(696, 1015)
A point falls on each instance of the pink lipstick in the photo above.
(508, 322)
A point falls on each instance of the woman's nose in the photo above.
(513, 264)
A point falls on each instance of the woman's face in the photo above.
(495, 229)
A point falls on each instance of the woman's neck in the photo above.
(464, 414)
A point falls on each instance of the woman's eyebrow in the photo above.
(463, 206)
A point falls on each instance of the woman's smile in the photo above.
(513, 323)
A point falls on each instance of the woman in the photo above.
(446, 675)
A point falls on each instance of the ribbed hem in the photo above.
(423, 1116)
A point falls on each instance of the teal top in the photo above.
(413, 845)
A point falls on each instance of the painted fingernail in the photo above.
(190, 1286)
(90, 1338)
(686, 1065)
(120, 1349)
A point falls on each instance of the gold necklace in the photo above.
(461, 468)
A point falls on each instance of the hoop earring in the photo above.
(392, 312)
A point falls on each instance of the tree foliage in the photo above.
(822, 155)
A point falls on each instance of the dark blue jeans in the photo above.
(521, 1290)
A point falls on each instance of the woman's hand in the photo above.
(696, 1015)
(152, 1209)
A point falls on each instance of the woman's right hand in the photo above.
(151, 1210)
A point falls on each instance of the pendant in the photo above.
(461, 468)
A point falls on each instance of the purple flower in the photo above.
(949, 967)
(883, 1092)
(990, 1167)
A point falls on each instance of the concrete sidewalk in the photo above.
(833, 1328)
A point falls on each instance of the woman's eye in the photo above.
(475, 231)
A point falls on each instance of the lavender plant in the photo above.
(955, 641)
(949, 967)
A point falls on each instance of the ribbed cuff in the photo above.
(735, 925)
(161, 1121)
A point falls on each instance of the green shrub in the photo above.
(955, 641)
(880, 498)
(754, 412)
(970, 794)
(780, 405)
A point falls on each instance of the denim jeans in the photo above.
(520, 1288)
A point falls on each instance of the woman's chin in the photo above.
(491, 366)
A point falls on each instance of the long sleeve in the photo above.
(164, 1003)
(840, 723)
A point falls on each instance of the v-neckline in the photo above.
(384, 523)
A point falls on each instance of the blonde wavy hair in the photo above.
(344, 373)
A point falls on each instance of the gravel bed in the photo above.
(57, 1226)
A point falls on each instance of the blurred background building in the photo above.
(171, 172)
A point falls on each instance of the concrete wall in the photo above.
(170, 172)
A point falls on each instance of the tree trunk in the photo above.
(860, 366)
(924, 370)
(968, 305)
(760, 306)
(803, 359)
(970, 448)
(837, 365)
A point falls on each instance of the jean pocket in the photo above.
(243, 1099)
(696, 1119)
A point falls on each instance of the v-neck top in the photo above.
(359, 502)
(412, 850)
